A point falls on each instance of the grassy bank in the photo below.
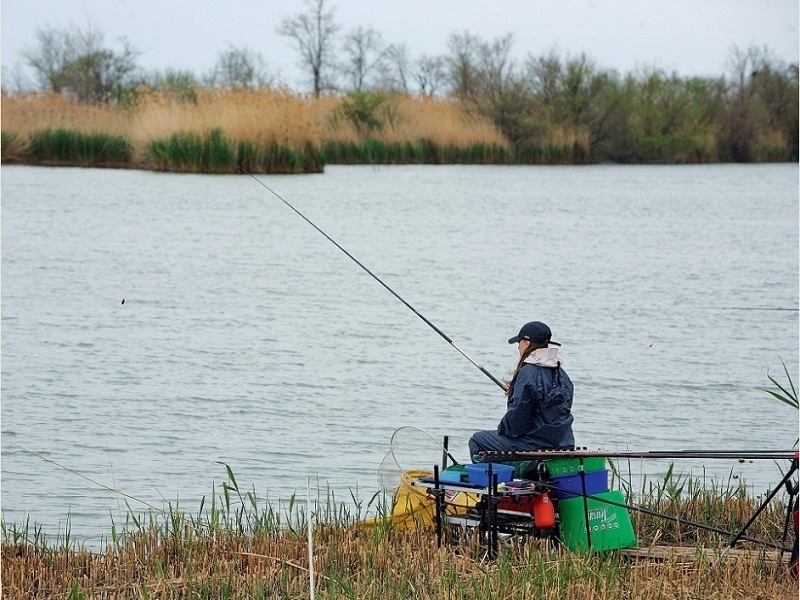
(242, 547)
(270, 131)
(263, 132)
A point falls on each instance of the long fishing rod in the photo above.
(375, 277)
(709, 454)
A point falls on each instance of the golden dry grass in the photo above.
(353, 562)
(440, 121)
(24, 114)
(261, 117)
(240, 551)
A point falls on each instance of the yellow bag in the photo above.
(413, 507)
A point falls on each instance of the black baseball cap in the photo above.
(536, 332)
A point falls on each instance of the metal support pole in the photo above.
(582, 473)
(493, 500)
(792, 489)
(437, 494)
(764, 504)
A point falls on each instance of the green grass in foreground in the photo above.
(240, 546)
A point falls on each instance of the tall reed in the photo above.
(243, 546)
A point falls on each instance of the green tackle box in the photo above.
(609, 525)
(562, 467)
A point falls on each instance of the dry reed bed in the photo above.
(262, 119)
(242, 546)
(354, 562)
(242, 552)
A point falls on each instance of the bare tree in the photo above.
(239, 69)
(495, 66)
(499, 92)
(55, 49)
(397, 67)
(430, 74)
(762, 96)
(543, 74)
(365, 54)
(462, 63)
(76, 61)
(314, 34)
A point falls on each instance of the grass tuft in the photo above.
(72, 147)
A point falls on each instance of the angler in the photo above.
(538, 415)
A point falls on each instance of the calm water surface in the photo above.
(246, 338)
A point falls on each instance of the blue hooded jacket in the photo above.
(538, 413)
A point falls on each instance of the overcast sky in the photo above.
(692, 37)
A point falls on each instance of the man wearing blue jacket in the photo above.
(538, 413)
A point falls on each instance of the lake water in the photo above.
(247, 339)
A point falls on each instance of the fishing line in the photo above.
(119, 492)
(169, 155)
(753, 308)
(113, 478)
(166, 166)
(103, 485)
(87, 478)
(371, 274)
(118, 309)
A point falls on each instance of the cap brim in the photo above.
(516, 338)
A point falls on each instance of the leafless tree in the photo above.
(365, 54)
(500, 92)
(543, 74)
(314, 34)
(55, 49)
(397, 67)
(76, 61)
(239, 69)
(762, 95)
(495, 66)
(462, 63)
(430, 74)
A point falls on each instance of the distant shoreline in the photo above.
(279, 132)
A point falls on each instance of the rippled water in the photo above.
(246, 338)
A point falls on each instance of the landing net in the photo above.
(410, 448)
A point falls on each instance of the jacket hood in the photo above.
(544, 357)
